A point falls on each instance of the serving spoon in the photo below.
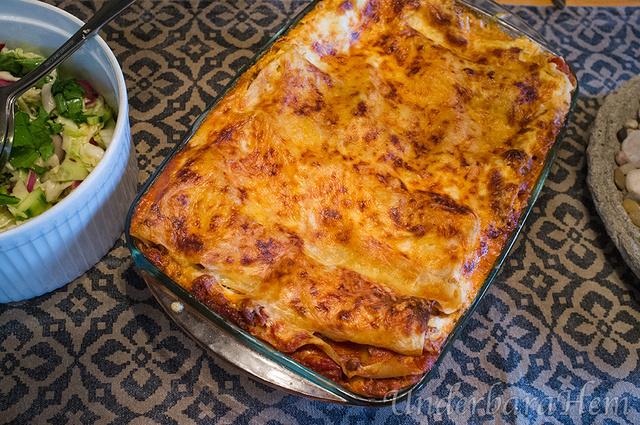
(10, 93)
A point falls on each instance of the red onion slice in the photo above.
(91, 93)
(31, 181)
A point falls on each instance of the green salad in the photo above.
(62, 128)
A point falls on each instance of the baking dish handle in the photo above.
(235, 353)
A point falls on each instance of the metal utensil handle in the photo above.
(107, 12)
(7, 124)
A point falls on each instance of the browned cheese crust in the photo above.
(347, 198)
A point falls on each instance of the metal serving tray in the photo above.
(257, 358)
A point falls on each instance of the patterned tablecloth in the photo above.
(555, 340)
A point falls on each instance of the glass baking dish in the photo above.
(227, 341)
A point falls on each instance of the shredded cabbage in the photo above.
(55, 140)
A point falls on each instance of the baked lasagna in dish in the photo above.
(346, 199)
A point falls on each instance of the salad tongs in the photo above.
(10, 93)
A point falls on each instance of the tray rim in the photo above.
(487, 9)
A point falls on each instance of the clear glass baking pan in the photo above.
(257, 358)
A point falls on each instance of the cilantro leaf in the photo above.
(9, 64)
(18, 67)
(8, 199)
(55, 127)
(23, 156)
(41, 132)
(21, 134)
(39, 170)
(68, 96)
(32, 139)
(29, 64)
(70, 89)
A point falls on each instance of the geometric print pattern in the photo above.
(556, 339)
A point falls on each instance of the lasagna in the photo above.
(346, 199)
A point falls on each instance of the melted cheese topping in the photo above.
(364, 174)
